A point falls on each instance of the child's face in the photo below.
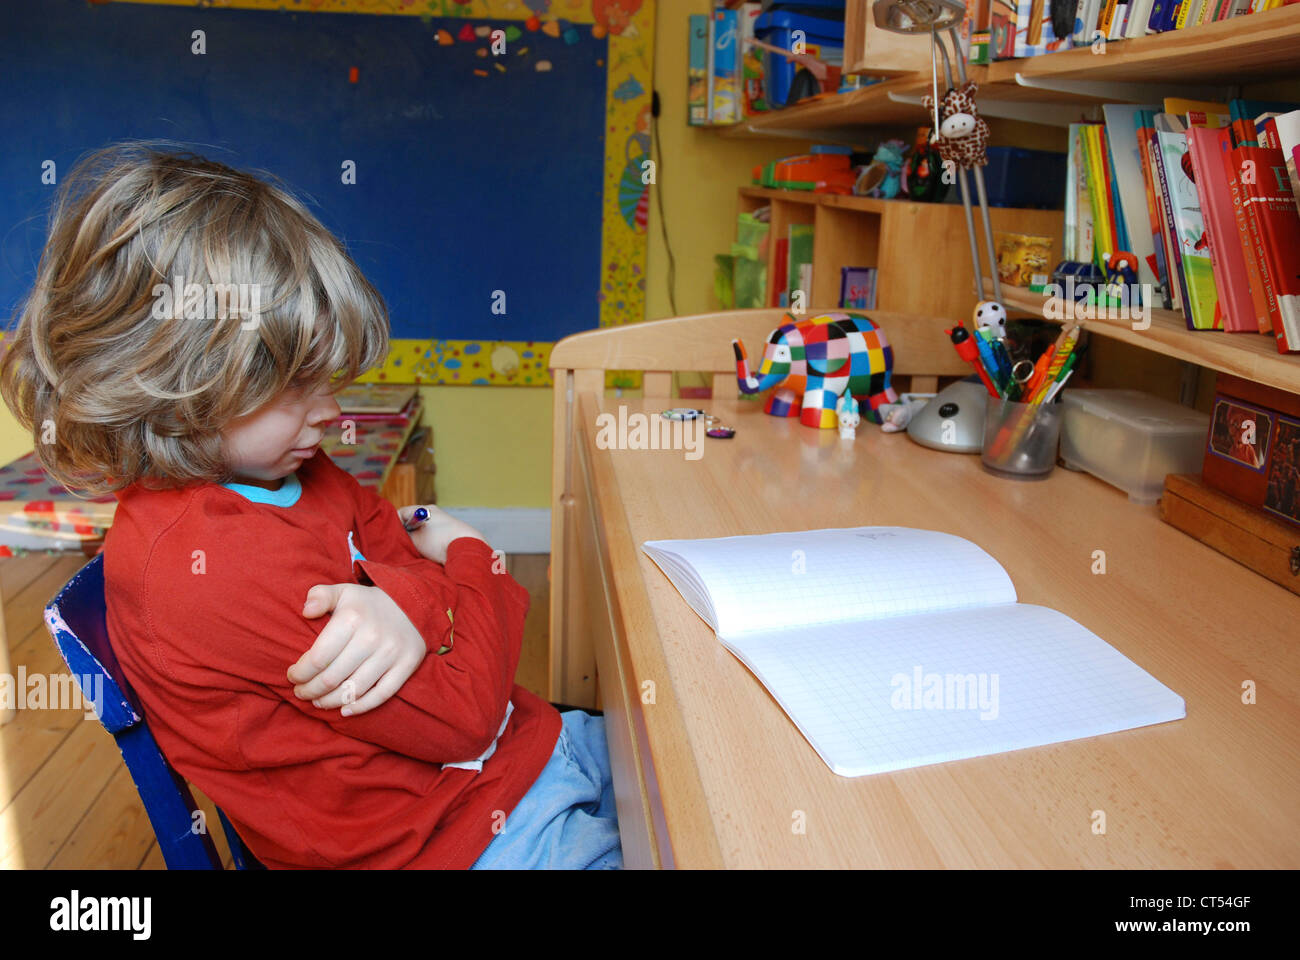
(268, 444)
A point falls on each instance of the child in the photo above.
(181, 348)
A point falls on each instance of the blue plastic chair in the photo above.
(76, 618)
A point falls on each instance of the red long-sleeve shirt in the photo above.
(205, 590)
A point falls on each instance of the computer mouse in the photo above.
(954, 419)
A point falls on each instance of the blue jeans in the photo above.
(566, 820)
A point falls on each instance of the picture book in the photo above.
(1272, 212)
(1234, 301)
(1156, 263)
(1077, 188)
(753, 73)
(1245, 235)
(697, 86)
(1121, 131)
(1191, 246)
(1173, 286)
(891, 648)
(858, 287)
(726, 67)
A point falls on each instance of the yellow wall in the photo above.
(492, 445)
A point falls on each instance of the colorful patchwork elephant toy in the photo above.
(816, 360)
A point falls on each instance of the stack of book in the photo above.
(1206, 196)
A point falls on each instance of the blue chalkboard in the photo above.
(465, 184)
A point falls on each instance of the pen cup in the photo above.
(1020, 438)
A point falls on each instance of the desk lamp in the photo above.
(960, 426)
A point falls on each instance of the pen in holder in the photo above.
(1020, 438)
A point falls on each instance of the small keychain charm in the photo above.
(683, 413)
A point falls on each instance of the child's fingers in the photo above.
(360, 645)
(356, 684)
(379, 694)
(329, 643)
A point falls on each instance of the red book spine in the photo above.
(1273, 210)
(1232, 169)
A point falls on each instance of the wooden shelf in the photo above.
(1250, 47)
(865, 204)
(1256, 45)
(1253, 356)
(869, 106)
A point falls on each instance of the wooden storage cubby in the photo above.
(920, 250)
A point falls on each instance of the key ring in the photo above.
(1029, 374)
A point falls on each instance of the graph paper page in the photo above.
(910, 691)
(822, 576)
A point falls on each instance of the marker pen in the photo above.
(417, 519)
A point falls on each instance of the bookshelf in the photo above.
(1253, 356)
(920, 250)
(1205, 60)
(1254, 47)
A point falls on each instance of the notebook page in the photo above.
(876, 697)
(824, 576)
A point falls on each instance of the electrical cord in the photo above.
(659, 199)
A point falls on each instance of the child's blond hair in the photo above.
(112, 387)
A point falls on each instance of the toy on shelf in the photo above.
(827, 169)
(850, 416)
(882, 178)
(815, 360)
(1121, 278)
(921, 178)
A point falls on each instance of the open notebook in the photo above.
(892, 648)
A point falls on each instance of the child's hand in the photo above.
(366, 652)
(436, 534)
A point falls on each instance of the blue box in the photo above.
(1016, 177)
(823, 38)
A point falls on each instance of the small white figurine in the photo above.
(847, 410)
(991, 316)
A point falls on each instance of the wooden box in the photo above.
(868, 49)
(1246, 534)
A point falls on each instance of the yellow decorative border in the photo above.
(629, 25)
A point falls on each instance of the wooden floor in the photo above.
(66, 799)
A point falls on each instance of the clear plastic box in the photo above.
(1131, 439)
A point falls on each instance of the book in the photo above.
(708, 65)
(753, 77)
(1085, 21)
(1254, 280)
(1173, 287)
(1275, 229)
(891, 648)
(858, 288)
(697, 85)
(1122, 133)
(801, 254)
(1139, 14)
(1234, 302)
(1192, 255)
(1145, 121)
(726, 67)
(1084, 241)
(1288, 132)
(1173, 244)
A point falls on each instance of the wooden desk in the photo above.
(713, 773)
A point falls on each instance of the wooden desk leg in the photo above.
(6, 665)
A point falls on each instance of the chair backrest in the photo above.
(922, 353)
(77, 620)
